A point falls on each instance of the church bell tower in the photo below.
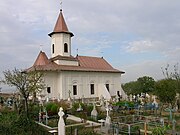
(61, 38)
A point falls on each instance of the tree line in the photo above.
(167, 89)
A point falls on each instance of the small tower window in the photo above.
(52, 48)
(66, 47)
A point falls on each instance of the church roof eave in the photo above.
(70, 68)
(67, 32)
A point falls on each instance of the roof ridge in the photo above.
(90, 56)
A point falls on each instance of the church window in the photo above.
(107, 87)
(48, 89)
(92, 88)
(52, 48)
(74, 89)
(66, 47)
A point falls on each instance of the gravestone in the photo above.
(61, 124)
(69, 98)
(162, 121)
(108, 118)
(102, 100)
(46, 116)
(131, 97)
(170, 113)
(47, 99)
(155, 104)
(94, 112)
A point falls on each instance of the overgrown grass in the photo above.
(13, 124)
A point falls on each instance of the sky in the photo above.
(135, 36)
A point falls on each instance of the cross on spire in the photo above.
(40, 47)
(60, 5)
(77, 51)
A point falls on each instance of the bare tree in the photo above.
(175, 75)
(25, 82)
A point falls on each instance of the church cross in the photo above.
(77, 51)
(41, 47)
(60, 4)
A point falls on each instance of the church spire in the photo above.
(60, 26)
(61, 38)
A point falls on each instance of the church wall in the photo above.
(51, 80)
(83, 81)
(62, 82)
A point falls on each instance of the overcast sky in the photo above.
(135, 36)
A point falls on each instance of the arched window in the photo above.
(66, 47)
(75, 87)
(48, 89)
(107, 85)
(92, 89)
(52, 48)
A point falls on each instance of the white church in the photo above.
(76, 77)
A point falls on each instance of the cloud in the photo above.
(126, 31)
(139, 46)
(144, 68)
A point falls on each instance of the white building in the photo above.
(81, 76)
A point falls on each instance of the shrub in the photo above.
(14, 124)
(124, 103)
(48, 106)
(63, 104)
(54, 108)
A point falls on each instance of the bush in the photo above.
(14, 124)
(54, 109)
(48, 106)
(34, 111)
(124, 103)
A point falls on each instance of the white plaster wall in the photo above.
(59, 40)
(66, 62)
(51, 80)
(84, 79)
(62, 82)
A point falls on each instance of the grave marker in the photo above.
(61, 124)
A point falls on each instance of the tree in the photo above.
(25, 82)
(166, 91)
(146, 84)
(175, 74)
(131, 87)
(143, 84)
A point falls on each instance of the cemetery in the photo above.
(64, 94)
(98, 116)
